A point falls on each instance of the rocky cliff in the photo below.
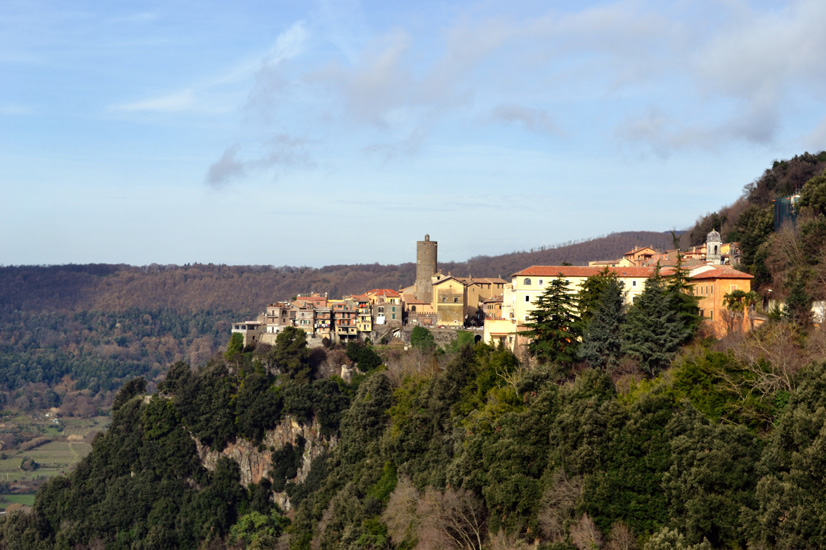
(256, 461)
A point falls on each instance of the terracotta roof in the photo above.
(493, 299)
(722, 273)
(638, 249)
(383, 292)
(467, 281)
(582, 271)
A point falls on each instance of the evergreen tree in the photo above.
(683, 301)
(602, 341)
(291, 356)
(422, 339)
(654, 331)
(554, 325)
(590, 294)
(798, 306)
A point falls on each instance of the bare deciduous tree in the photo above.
(453, 519)
(585, 535)
(621, 538)
(400, 513)
(558, 504)
(770, 354)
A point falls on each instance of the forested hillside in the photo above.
(796, 255)
(466, 447)
(70, 334)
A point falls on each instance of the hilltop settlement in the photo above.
(496, 307)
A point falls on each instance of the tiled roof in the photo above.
(638, 249)
(383, 292)
(582, 271)
(467, 281)
(722, 273)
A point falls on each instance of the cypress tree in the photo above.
(654, 331)
(554, 325)
(602, 341)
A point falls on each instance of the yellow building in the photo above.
(458, 300)
(364, 313)
(711, 284)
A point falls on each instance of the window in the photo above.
(394, 316)
(455, 300)
(541, 282)
(526, 282)
(413, 308)
(633, 283)
(527, 298)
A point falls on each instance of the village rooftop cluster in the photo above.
(498, 307)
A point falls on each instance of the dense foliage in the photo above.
(479, 452)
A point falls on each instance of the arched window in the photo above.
(526, 282)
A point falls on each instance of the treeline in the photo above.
(609, 247)
(202, 287)
(100, 325)
(65, 359)
(469, 448)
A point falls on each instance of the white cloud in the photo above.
(176, 101)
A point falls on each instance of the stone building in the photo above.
(426, 264)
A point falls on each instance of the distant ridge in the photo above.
(246, 289)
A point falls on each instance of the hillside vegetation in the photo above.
(466, 447)
(71, 335)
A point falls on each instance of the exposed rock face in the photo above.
(255, 464)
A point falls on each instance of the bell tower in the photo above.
(714, 246)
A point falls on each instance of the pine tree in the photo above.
(683, 300)
(602, 341)
(554, 325)
(590, 294)
(798, 306)
(653, 330)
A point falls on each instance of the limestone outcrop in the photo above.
(255, 461)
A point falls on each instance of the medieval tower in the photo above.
(425, 268)
(714, 245)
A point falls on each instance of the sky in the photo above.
(318, 133)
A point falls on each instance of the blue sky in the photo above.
(315, 133)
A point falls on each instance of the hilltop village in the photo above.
(496, 307)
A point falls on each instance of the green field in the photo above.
(69, 444)
(8, 500)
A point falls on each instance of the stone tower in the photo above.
(714, 245)
(425, 268)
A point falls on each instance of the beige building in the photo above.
(458, 300)
(528, 285)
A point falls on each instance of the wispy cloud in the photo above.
(281, 154)
(174, 102)
(11, 109)
(534, 119)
